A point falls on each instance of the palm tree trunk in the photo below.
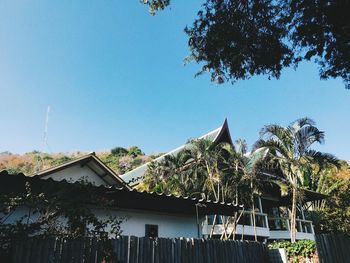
(29, 214)
(253, 209)
(212, 227)
(225, 223)
(242, 236)
(293, 216)
(254, 222)
(235, 223)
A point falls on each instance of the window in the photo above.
(151, 231)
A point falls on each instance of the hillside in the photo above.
(119, 159)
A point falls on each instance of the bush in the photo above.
(134, 151)
(301, 248)
(119, 151)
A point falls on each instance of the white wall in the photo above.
(168, 225)
(134, 223)
(76, 173)
(285, 234)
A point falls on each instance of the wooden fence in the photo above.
(137, 250)
(333, 248)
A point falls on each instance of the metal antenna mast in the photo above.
(46, 128)
(39, 162)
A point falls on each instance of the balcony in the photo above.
(245, 225)
(280, 228)
(271, 228)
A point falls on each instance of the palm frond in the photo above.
(322, 158)
(241, 146)
(275, 131)
(306, 136)
(299, 123)
(275, 147)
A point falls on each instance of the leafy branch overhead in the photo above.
(235, 40)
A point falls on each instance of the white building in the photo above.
(271, 218)
(169, 216)
(144, 214)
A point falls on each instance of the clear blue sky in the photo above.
(114, 75)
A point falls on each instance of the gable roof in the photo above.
(92, 162)
(221, 134)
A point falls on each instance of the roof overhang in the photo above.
(122, 198)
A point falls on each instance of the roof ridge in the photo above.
(91, 154)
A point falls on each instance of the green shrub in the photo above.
(301, 248)
(119, 151)
(134, 151)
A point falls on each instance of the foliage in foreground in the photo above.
(57, 210)
(332, 215)
(296, 251)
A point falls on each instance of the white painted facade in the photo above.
(88, 168)
(76, 173)
(169, 225)
(133, 221)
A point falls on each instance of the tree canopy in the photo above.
(235, 40)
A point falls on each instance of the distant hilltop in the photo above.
(120, 159)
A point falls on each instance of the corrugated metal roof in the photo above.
(123, 198)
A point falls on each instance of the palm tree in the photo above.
(290, 147)
(252, 177)
(246, 168)
(242, 179)
(170, 176)
(220, 171)
(207, 157)
(231, 168)
(200, 168)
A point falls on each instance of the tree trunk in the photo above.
(293, 216)
(253, 209)
(254, 222)
(242, 236)
(212, 227)
(235, 223)
(29, 214)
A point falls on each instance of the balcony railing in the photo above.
(283, 224)
(260, 219)
(245, 225)
(274, 228)
(246, 219)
